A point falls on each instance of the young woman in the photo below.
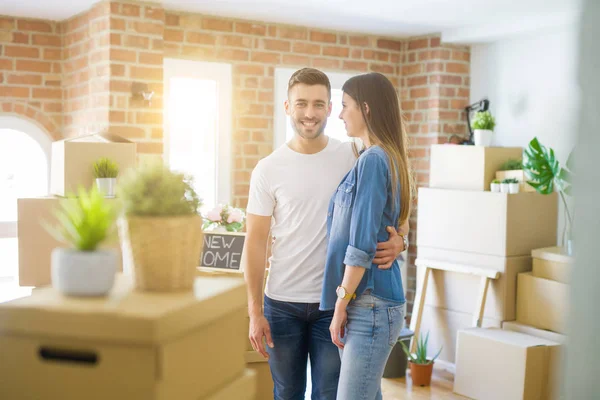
(368, 301)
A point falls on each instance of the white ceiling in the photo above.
(383, 17)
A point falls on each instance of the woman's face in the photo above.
(352, 117)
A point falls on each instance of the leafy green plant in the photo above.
(224, 215)
(420, 357)
(84, 221)
(510, 180)
(483, 120)
(495, 181)
(105, 168)
(511, 165)
(154, 190)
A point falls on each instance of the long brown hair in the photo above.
(386, 129)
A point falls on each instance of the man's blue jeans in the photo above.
(299, 330)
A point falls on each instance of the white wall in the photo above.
(531, 82)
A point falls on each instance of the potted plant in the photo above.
(483, 127)
(84, 222)
(224, 218)
(513, 168)
(545, 175)
(161, 228)
(421, 367)
(495, 186)
(504, 186)
(105, 172)
(513, 185)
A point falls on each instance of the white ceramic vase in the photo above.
(482, 137)
(83, 273)
(504, 187)
(513, 187)
(107, 186)
(495, 187)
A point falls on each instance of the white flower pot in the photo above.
(83, 273)
(513, 187)
(504, 187)
(107, 186)
(495, 187)
(482, 137)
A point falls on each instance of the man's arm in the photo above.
(254, 261)
(388, 251)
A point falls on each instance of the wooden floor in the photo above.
(402, 388)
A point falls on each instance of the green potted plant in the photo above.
(513, 168)
(106, 172)
(483, 128)
(512, 185)
(84, 222)
(421, 367)
(495, 186)
(224, 218)
(546, 175)
(161, 227)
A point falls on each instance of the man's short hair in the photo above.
(310, 76)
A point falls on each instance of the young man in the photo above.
(289, 196)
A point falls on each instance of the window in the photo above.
(283, 129)
(198, 125)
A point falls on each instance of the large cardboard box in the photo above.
(467, 167)
(552, 263)
(556, 369)
(542, 303)
(460, 292)
(36, 243)
(73, 159)
(264, 381)
(243, 388)
(130, 344)
(489, 223)
(495, 364)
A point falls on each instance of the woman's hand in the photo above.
(337, 329)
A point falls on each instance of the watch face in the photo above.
(341, 292)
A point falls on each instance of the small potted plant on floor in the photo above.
(161, 230)
(84, 222)
(421, 367)
(513, 185)
(106, 172)
(495, 186)
(483, 128)
(224, 218)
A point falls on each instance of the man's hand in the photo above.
(259, 328)
(388, 251)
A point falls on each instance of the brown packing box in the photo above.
(243, 388)
(460, 292)
(552, 263)
(73, 159)
(495, 364)
(488, 223)
(130, 344)
(264, 381)
(467, 167)
(557, 356)
(36, 243)
(542, 303)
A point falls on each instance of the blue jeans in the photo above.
(299, 330)
(372, 330)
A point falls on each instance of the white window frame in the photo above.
(222, 73)
(282, 77)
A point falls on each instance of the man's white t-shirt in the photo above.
(295, 189)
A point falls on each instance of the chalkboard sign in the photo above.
(222, 250)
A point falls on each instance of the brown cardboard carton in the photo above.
(487, 223)
(467, 167)
(36, 243)
(264, 381)
(542, 303)
(130, 344)
(73, 159)
(243, 388)
(495, 364)
(552, 263)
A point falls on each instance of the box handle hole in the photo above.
(69, 356)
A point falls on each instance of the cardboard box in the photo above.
(542, 303)
(243, 388)
(552, 263)
(495, 364)
(489, 223)
(182, 345)
(460, 292)
(73, 160)
(36, 243)
(264, 381)
(443, 327)
(467, 167)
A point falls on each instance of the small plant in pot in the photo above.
(106, 172)
(513, 185)
(84, 222)
(421, 367)
(161, 229)
(224, 218)
(483, 128)
(495, 186)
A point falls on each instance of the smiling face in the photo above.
(308, 107)
(353, 118)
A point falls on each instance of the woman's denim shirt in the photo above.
(359, 212)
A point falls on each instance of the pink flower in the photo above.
(235, 215)
(214, 215)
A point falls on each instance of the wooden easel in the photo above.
(419, 304)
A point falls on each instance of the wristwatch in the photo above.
(343, 294)
(405, 240)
